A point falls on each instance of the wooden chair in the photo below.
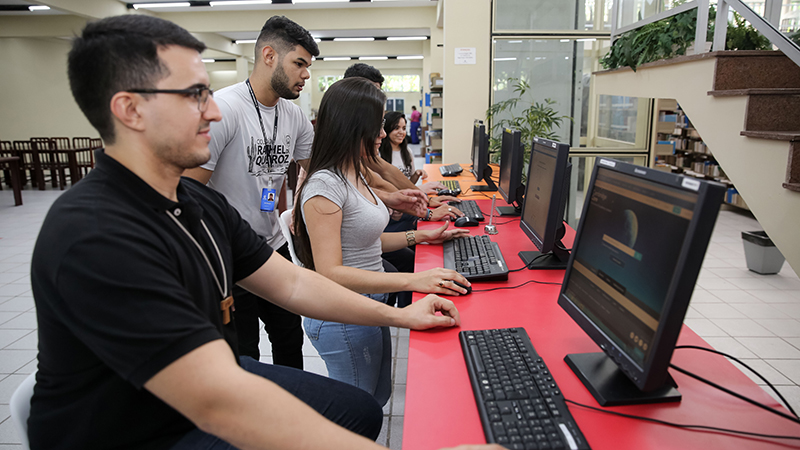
(69, 156)
(85, 147)
(30, 162)
(6, 151)
(50, 161)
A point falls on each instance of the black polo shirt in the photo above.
(121, 292)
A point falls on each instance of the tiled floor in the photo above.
(753, 317)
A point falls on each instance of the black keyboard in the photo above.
(470, 208)
(450, 170)
(475, 257)
(452, 187)
(519, 403)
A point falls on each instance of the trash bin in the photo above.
(761, 254)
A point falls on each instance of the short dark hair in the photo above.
(364, 71)
(117, 54)
(283, 34)
(349, 120)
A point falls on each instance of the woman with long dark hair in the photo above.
(394, 148)
(339, 233)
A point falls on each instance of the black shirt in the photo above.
(121, 292)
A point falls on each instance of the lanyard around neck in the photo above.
(261, 122)
(223, 288)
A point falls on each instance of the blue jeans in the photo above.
(345, 405)
(355, 354)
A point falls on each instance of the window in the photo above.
(401, 83)
(326, 81)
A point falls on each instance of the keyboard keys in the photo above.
(517, 396)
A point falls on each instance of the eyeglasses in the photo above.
(201, 93)
(383, 123)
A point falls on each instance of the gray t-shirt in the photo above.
(239, 154)
(362, 221)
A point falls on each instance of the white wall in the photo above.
(35, 90)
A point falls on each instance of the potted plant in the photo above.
(536, 120)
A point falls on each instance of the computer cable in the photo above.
(517, 286)
(680, 425)
(528, 266)
(735, 394)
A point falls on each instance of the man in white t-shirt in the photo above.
(261, 132)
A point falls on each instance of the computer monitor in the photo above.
(637, 252)
(543, 208)
(511, 162)
(480, 159)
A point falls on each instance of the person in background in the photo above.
(132, 274)
(394, 148)
(261, 132)
(339, 233)
(415, 117)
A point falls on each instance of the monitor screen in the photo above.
(511, 162)
(480, 159)
(635, 259)
(545, 200)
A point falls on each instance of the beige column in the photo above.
(466, 86)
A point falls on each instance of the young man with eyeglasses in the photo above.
(132, 276)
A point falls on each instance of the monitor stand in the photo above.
(516, 209)
(557, 259)
(508, 210)
(487, 177)
(611, 387)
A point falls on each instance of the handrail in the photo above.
(789, 48)
(769, 31)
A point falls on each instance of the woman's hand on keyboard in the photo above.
(422, 314)
(438, 281)
(435, 202)
(441, 234)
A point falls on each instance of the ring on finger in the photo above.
(441, 283)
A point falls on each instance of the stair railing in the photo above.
(778, 39)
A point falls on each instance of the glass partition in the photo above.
(539, 15)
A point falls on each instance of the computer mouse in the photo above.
(466, 221)
(447, 192)
(468, 288)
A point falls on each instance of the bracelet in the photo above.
(411, 237)
(428, 217)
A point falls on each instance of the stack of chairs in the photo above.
(52, 156)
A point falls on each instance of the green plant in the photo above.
(795, 38)
(671, 37)
(536, 120)
(742, 36)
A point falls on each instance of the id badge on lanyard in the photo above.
(268, 197)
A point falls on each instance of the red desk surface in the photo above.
(440, 407)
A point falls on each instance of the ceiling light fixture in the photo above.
(505, 59)
(38, 8)
(515, 42)
(245, 41)
(411, 57)
(320, 1)
(564, 40)
(336, 58)
(372, 58)
(208, 60)
(586, 40)
(241, 2)
(317, 40)
(162, 5)
(407, 38)
(354, 39)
